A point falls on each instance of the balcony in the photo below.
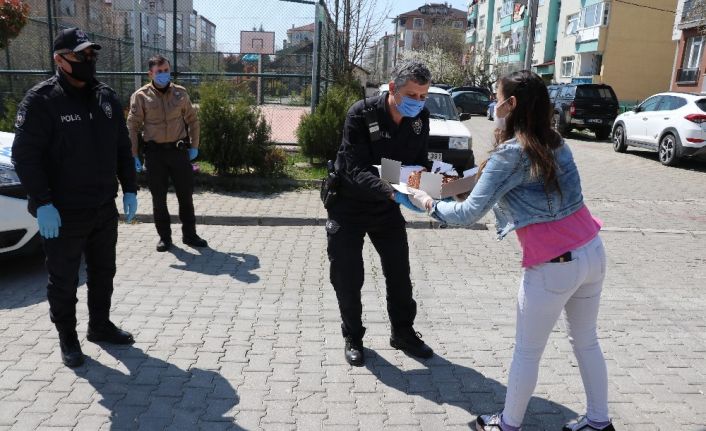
(693, 14)
(687, 76)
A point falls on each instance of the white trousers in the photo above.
(546, 290)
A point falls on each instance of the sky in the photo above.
(231, 17)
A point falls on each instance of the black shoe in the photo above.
(582, 424)
(355, 355)
(71, 354)
(195, 241)
(109, 333)
(411, 343)
(164, 245)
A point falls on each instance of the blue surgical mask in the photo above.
(162, 79)
(410, 107)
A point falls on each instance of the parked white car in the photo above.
(19, 233)
(673, 124)
(449, 139)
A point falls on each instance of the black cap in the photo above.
(73, 39)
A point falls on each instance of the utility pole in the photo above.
(532, 6)
(137, 42)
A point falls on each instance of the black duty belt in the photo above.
(181, 144)
(566, 257)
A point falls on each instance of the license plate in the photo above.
(597, 121)
(434, 156)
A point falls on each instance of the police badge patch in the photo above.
(417, 126)
(20, 120)
(107, 109)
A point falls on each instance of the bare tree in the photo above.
(447, 38)
(359, 21)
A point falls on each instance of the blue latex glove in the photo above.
(49, 221)
(403, 200)
(138, 164)
(130, 206)
(193, 153)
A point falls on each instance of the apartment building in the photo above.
(689, 63)
(627, 45)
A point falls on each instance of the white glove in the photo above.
(421, 199)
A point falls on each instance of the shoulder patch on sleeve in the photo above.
(20, 119)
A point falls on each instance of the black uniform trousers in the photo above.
(345, 252)
(94, 234)
(163, 164)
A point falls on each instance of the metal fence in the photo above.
(291, 55)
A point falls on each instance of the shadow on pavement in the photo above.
(23, 281)
(154, 394)
(444, 382)
(214, 262)
(685, 164)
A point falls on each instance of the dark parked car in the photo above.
(470, 102)
(584, 106)
(472, 88)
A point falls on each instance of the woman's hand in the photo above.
(421, 199)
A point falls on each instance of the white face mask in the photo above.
(497, 120)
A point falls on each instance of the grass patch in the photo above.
(297, 168)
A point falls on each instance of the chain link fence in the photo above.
(283, 53)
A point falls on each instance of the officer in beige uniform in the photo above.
(162, 111)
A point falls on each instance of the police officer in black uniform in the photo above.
(394, 125)
(71, 147)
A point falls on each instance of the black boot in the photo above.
(71, 354)
(164, 245)
(411, 343)
(109, 333)
(355, 355)
(195, 241)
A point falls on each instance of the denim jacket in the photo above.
(516, 197)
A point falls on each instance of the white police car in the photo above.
(19, 233)
(449, 139)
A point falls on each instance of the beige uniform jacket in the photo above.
(162, 117)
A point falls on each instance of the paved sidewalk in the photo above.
(245, 335)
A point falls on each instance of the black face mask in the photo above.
(84, 71)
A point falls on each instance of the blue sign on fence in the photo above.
(251, 57)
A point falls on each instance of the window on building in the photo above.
(481, 22)
(538, 32)
(497, 43)
(592, 16)
(498, 14)
(67, 7)
(693, 52)
(161, 26)
(541, 3)
(606, 13)
(567, 66)
(572, 23)
(458, 25)
(179, 25)
(418, 23)
(507, 8)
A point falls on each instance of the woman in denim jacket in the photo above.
(532, 184)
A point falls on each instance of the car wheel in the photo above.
(669, 149)
(602, 134)
(556, 122)
(619, 145)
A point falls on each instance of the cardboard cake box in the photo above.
(393, 172)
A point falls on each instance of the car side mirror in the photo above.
(637, 109)
(465, 116)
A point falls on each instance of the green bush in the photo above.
(319, 134)
(8, 115)
(235, 136)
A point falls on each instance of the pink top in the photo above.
(542, 242)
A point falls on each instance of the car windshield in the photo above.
(594, 93)
(441, 106)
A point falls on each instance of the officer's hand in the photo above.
(403, 200)
(138, 164)
(130, 206)
(193, 153)
(420, 199)
(49, 221)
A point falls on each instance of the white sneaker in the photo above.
(489, 422)
(581, 424)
